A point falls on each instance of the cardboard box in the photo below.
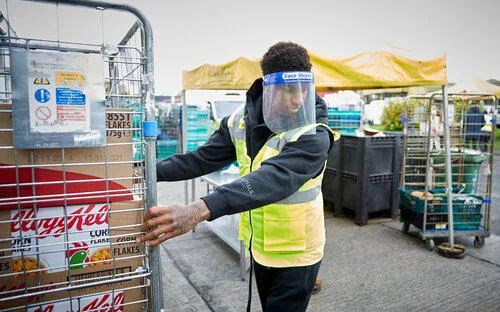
(54, 295)
(87, 230)
(119, 300)
(86, 236)
(69, 184)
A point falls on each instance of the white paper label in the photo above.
(61, 87)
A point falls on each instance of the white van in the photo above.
(225, 103)
(221, 103)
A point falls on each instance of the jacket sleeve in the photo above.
(277, 178)
(215, 154)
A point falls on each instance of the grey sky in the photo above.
(189, 33)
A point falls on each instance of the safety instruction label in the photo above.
(67, 96)
(59, 88)
(42, 95)
(65, 78)
(71, 113)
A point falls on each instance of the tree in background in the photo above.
(391, 115)
(391, 120)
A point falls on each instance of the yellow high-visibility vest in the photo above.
(290, 232)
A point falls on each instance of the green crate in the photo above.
(467, 222)
(466, 209)
(165, 148)
(465, 168)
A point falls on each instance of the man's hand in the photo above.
(172, 221)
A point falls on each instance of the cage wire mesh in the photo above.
(423, 193)
(69, 216)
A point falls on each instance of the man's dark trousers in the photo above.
(285, 289)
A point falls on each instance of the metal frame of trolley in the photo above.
(437, 127)
(129, 79)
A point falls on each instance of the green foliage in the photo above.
(391, 115)
(391, 120)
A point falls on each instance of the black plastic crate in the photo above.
(362, 175)
(331, 176)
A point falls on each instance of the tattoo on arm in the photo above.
(187, 217)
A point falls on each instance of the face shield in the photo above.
(289, 100)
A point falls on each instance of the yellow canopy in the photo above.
(363, 71)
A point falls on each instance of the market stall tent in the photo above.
(369, 70)
(474, 85)
(472, 90)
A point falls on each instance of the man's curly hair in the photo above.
(285, 56)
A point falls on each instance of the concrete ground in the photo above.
(375, 267)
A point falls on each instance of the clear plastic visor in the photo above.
(289, 100)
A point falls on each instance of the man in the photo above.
(281, 152)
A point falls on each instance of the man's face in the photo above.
(293, 97)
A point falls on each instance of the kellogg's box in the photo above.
(121, 300)
(91, 174)
(44, 244)
(127, 296)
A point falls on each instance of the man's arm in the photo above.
(276, 179)
(217, 153)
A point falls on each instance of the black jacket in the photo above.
(276, 179)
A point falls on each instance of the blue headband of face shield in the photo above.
(289, 78)
(288, 100)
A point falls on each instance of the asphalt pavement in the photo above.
(375, 267)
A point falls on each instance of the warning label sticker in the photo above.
(67, 96)
(42, 95)
(63, 105)
(64, 78)
(65, 113)
(43, 81)
(43, 113)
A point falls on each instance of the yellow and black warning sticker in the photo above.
(44, 81)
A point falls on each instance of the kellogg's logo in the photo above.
(104, 304)
(19, 289)
(99, 303)
(82, 217)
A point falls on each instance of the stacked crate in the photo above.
(198, 126)
(345, 121)
(362, 175)
(167, 143)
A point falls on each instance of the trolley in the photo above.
(77, 162)
(424, 190)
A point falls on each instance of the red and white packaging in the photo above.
(107, 302)
(102, 303)
(87, 229)
(91, 174)
(55, 239)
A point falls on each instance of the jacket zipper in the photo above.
(250, 211)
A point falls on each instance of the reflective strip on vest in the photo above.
(302, 197)
(236, 126)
